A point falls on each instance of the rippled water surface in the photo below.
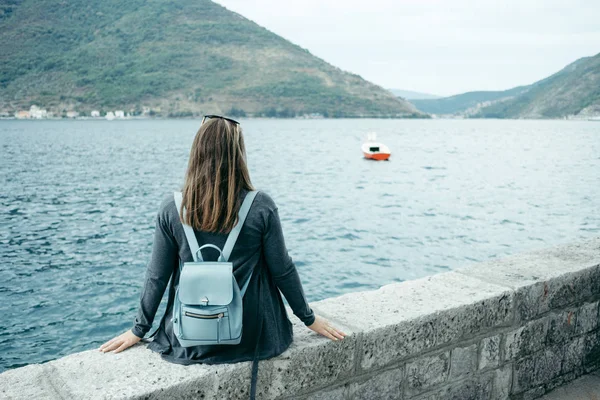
(79, 198)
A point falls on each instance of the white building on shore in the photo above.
(110, 115)
(38, 113)
(119, 114)
(95, 114)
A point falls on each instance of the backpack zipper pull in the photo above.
(219, 317)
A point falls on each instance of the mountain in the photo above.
(173, 57)
(572, 92)
(410, 95)
(462, 102)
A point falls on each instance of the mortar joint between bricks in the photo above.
(450, 352)
(512, 378)
(404, 387)
(358, 353)
(515, 318)
(510, 384)
(479, 346)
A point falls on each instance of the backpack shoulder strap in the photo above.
(235, 232)
(189, 231)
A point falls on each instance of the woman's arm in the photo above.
(283, 270)
(286, 278)
(163, 262)
(161, 266)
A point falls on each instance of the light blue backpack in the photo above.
(207, 309)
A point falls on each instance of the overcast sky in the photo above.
(441, 47)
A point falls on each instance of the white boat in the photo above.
(374, 150)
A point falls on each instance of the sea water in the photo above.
(79, 200)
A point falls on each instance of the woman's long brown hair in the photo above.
(215, 177)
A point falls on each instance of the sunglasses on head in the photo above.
(219, 116)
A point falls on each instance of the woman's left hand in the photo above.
(120, 343)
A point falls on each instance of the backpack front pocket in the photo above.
(204, 323)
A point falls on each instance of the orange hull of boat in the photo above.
(377, 156)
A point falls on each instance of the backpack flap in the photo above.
(206, 283)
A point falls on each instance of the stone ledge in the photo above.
(443, 336)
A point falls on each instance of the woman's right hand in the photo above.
(120, 343)
(322, 327)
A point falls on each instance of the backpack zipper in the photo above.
(194, 315)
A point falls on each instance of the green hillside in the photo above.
(179, 58)
(573, 91)
(461, 102)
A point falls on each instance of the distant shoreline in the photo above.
(199, 118)
(447, 118)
